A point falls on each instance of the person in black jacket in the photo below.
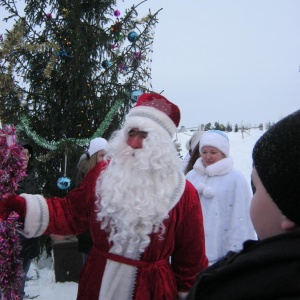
(268, 269)
(30, 247)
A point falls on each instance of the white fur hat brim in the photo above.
(154, 115)
(215, 140)
(96, 145)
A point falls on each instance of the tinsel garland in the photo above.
(25, 126)
(11, 270)
(11, 172)
(104, 125)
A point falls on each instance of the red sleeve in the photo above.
(70, 215)
(189, 256)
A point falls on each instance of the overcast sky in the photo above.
(231, 61)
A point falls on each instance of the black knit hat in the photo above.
(27, 146)
(276, 157)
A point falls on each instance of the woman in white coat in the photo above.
(225, 196)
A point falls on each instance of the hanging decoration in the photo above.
(11, 162)
(48, 16)
(116, 28)
(132, 36)
(65, 12)
(24, 126)
(62, 53)
(138, 55)
(113, 46)
(64, 182)
(134, 96)
(123, 68)
(118, 37)
(106, 64)
(23, 103)
(107, 120)
(11, 172)
(117, 13)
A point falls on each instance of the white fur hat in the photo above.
(194, 140)
(96, 145)
(217, 139)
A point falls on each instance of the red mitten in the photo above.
(13, 203)
(4, 211)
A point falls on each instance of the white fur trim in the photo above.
(145, 124)
(182, 295)
(195, 139)
(118, 279)
(96, 145)
(216, 140)
(155, 115)
(178, 192)
(37, 215)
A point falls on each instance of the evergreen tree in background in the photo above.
(70, 70)
(236, 128)
(208, 126)
(228, 127)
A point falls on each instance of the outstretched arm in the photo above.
(61, 216)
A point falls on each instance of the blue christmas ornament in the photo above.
(132, 36)
(62, 53)
(135, 95)
(106, 64)
(63, 183)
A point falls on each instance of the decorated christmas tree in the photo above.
(69, 72)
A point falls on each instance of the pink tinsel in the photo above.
(11, 172)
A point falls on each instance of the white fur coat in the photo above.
(225, 197)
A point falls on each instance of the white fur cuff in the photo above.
(182, 295)
(37, 215)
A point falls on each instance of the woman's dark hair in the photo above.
(194, 156)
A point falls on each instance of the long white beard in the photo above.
(137, 190)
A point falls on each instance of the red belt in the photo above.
(132, 262)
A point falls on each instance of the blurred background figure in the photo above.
(87, 161)
(30, 247)
(192, 146)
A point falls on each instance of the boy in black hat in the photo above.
(268, 268)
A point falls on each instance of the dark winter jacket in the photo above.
(85, 242)
(30, 247)
(263, 270)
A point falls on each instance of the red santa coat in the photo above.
(167, 266)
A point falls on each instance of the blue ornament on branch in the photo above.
(62, 53)
(106, 64)
(63, 183)
(134, 96)
(132, 36)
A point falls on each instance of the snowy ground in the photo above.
(43, 282)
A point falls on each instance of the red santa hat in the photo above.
(158, 109)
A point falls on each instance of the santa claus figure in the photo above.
(145, 219)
